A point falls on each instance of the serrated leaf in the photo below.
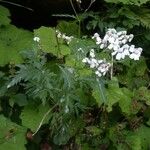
(31, 116)
(12, 136)
(4, 16)
(11, 44)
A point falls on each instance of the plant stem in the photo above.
(78, 19)
(111, 71)
(15, 4)
(92, 1)
(45, 115)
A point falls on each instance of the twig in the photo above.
(18, 5)
(45, 115)
(111, 71)
(92, 1)
(76, 17)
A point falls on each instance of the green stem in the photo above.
(78, 19)
(111, 71)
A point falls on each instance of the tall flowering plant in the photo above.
(115, 43)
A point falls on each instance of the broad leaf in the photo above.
(4, 16)
(12, 136)
(12, 42)
(31, 116)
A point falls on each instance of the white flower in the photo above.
(98, 40)
(68, 39)
(98, 73)
(59, 35)
(36, 39)
(136, 54)
(102, 46)
(79, 1)
(85, 60)
(66, 109)
(95, 35)
(92, 53)
(100, 66)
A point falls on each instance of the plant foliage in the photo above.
(51, 99)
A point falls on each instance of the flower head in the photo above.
(100, 66)
(116, 42)
(36, 39)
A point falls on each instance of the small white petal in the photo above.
(110, 46)
(101, 46)
(118, 56)
(36, 39)
(132, 47)
(114, 53)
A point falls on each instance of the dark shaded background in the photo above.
(42, 11)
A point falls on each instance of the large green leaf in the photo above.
(115, 94)
(31, 116)
(99, 92)
(12, 42)
(12, 136)
(69, 28)
(48, 40)
(126, 101)
(139, 140)
(4, 16)
(143, 94)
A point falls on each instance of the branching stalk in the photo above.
(15, 4)
(44, 117)
(92, 1)
(112, 63)
(79, 21)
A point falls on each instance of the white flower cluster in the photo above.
(64, 37)
(36, 39)
(117, 42)
(101, 66)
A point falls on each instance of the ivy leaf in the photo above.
(11, 44)
(12, 136)
(4, 16)
(31, 116)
